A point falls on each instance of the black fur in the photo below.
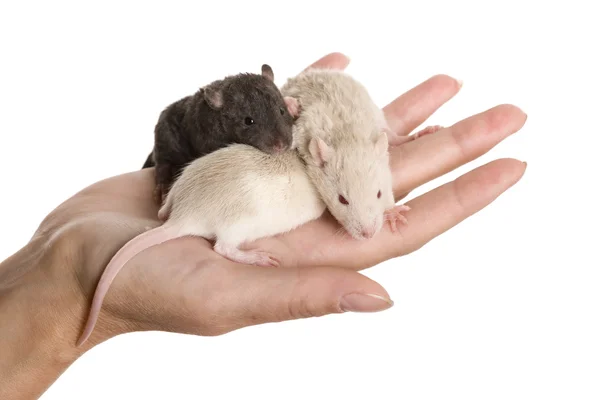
(215, 117)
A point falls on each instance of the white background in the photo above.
(506, 305)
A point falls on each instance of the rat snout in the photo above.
(279, 146)
(368, 232)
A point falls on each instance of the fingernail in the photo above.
(460, 82)
(525, 162)
(358, 302)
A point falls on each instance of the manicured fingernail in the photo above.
(358, 302)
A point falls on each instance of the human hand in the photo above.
(183, 286)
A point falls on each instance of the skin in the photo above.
(200, 204)
(183, 286)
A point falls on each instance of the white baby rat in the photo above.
(343, 137)
(235, 195)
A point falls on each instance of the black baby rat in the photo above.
(245, 108)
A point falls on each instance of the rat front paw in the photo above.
(394, 216)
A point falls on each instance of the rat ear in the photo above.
(267, 72)
(293, 106)
(319, 150)
(381, 142)
(213, 96)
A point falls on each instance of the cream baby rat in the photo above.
(234, 195)
(343, 137)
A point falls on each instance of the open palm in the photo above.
(184, 286)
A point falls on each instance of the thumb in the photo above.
(273, 295)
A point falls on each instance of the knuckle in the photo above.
(459, 138)
(303, 304)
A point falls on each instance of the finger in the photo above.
(334, 60)
(412, 108)
(262, 295)
(431, 156)
(446, 206)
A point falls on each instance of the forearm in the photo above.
(33, 349)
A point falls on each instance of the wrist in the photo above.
(37, 322)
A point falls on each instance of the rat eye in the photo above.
(282, 111)
(249, 121)
(343, 200)
(379, 194)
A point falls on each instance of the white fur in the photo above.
(239, 194)
(341, 133)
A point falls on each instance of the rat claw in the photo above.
(265, 259)
(394, 216)
(274, 263)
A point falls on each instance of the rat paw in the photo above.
(264, 259)
(394, 216)
(253, 257)
(427, 131)
(256, 257)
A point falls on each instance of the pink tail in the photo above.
(128, 251)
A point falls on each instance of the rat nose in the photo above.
(278, 146)
(368, 233)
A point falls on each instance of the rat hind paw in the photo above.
(253, 257)
(394, 216)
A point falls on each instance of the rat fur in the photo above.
(238, 194)
(234, 195)
(245, 108)
(343, 137)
